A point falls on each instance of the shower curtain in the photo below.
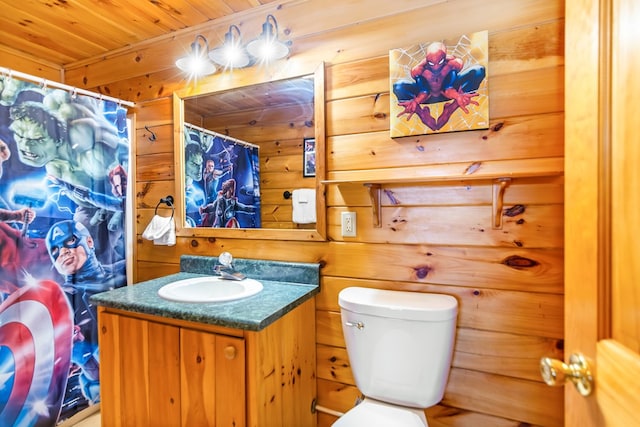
(63, 177)
(222, 180)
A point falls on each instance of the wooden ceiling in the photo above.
(64, 32)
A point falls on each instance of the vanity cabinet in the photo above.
(158, 371)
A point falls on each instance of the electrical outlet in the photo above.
(348, 224)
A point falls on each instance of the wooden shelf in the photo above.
(499, 171)
(520, 168)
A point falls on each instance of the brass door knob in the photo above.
(556, 373)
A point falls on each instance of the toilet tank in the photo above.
(399, 343)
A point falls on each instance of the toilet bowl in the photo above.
(400, 346)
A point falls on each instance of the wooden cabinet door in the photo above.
(213, 379)
(140, 372)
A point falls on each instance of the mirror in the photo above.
(248, 146)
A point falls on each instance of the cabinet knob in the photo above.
(230, 352)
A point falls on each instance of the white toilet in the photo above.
(400, 346)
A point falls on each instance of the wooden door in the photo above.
(602, 202)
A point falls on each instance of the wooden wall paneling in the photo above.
(147, 270)
(367, 76)
(154, 112)
(154, 167)
(333, 364)
(149, 193)
(284, 131)
(154, 139)
(527, 47)
(512, 355)
(528, 92)
(503, 396)
(337, 396)
(535, 270)
(240, 248)
(444, 416)
(514, 137)
(149, 86)
(283, 164)
(537, 227)
(358, 114)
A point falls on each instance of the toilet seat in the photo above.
(373, 413)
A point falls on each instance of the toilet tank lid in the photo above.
(398, 304)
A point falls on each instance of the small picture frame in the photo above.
(309, 157)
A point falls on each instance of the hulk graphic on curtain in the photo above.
(66, 171)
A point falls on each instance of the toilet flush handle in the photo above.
(358, 325)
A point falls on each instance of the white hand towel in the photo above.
(162, 230)
(304, 205)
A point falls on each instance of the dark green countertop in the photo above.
(286, 286)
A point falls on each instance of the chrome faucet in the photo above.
(225, 268)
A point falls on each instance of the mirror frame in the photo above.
(238, 79)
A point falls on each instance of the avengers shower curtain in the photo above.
(222, 180)
(63, 178)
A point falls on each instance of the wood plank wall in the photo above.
(435, 237)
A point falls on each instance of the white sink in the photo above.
(209, 289)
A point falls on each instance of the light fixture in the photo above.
(197, 63)
(231, 54)
(267, 46)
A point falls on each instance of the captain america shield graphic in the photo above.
(36, 336)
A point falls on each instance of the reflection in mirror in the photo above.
(249, 160)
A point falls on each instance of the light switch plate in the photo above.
(348, 224)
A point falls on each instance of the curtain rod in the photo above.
(12, 73)
(219, 135)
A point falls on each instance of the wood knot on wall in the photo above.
(515, 211)
(422, 271)
(519, 262)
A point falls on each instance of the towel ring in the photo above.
(167, 201)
